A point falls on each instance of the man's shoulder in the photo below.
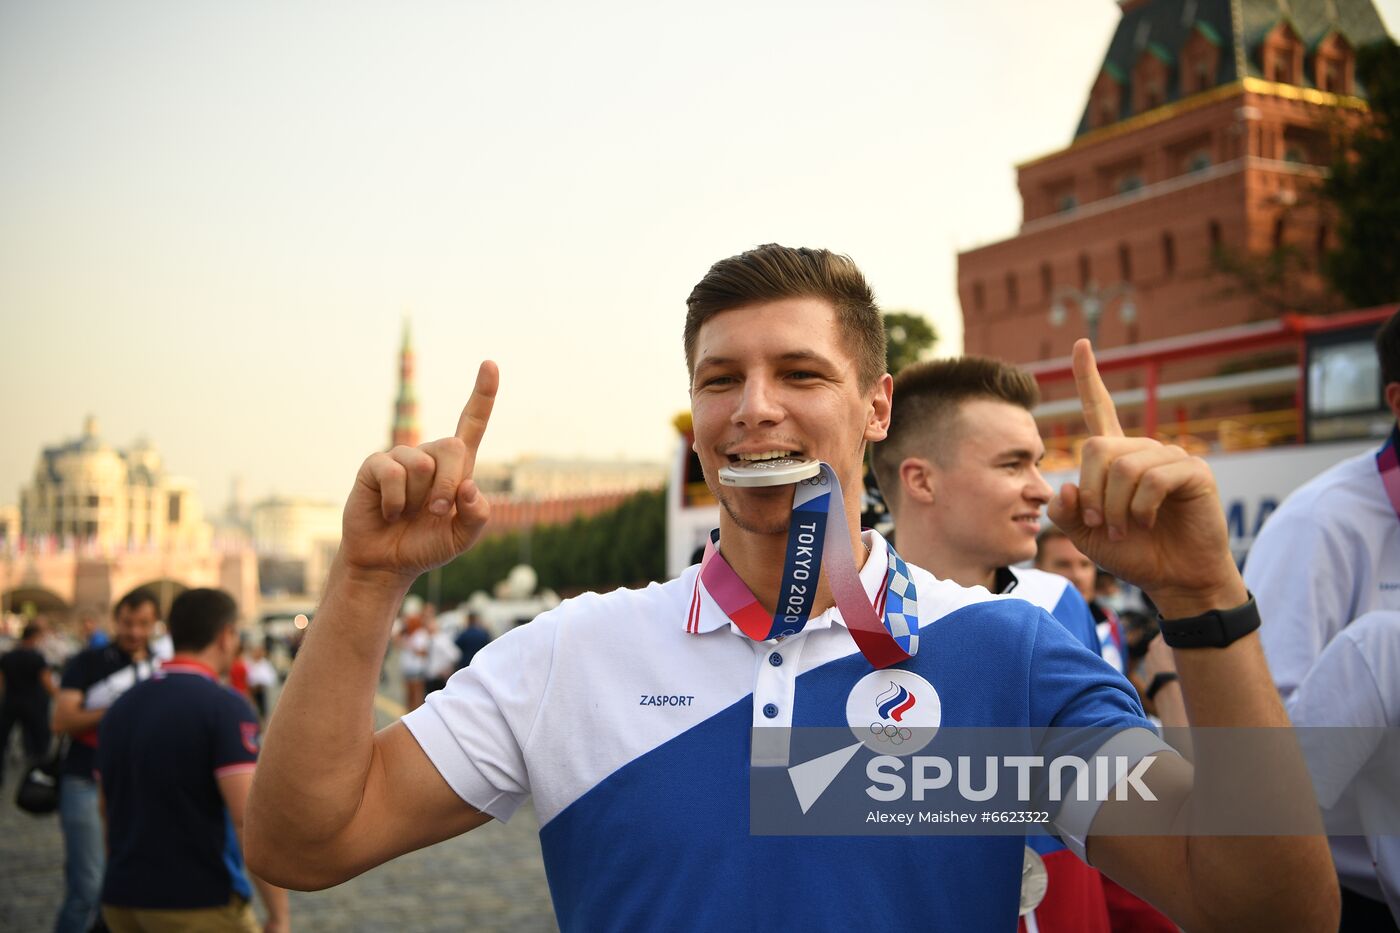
(197, 695)
(86, 657)
(128, 704)
(1376, 633)
(234, 705)
(217, 696)
(1342, 509)
(20, 655)
(1323, 499)
(89, 665)
(941, 600)
(1044, 589)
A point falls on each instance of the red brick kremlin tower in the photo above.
(1206, 131)
(405, 429)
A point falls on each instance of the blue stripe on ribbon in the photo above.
(812, 504)
(801, 568)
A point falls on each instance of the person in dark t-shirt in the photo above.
(91, 681)
(27, 684)
(175, 760)
(471, 639)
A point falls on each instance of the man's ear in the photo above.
(1392, 398)
(917, 480)
(877, 427)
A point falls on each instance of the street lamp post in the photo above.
(1092, 302)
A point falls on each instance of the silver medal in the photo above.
(768, 472)
(1033, 881)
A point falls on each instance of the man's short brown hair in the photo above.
(134, 600)
(772, 273)
(928, 397)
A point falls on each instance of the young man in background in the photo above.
(960, 473)
(91, 682)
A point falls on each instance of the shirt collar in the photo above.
(184, 664)
(872, 578)
(1005, 580)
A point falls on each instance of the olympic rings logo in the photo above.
(895, 735)
(818, 480)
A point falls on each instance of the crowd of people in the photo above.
(1128, 614)
(128, 734)
(59, 685)
(432, 647)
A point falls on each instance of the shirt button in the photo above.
(775, 659)
(770, 711)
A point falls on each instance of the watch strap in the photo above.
(1159, 680)
(1214, 629)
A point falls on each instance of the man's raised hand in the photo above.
(416, 508)
(1146, 511)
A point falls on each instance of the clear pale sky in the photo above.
(213, 215)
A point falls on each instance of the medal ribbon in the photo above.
(1388, 462)
(818, 537)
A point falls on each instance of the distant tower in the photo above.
(406, 405)
(236, 509)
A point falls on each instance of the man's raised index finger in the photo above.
(472, 425)
(1099, 412)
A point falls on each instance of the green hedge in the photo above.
(625, 546)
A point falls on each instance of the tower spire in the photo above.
(405, 430)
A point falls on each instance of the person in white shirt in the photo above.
(1356, 684)
(443, 656)
(262, 677)
(1331, 554)
(413, 642)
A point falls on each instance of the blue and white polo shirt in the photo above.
(629, 719)
(1057, 596)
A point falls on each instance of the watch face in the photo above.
(1033, 881)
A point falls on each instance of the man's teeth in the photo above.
(768, 455)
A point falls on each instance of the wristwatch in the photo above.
(1214, 629)
(1160, 680)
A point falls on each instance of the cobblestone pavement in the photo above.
(491, 879)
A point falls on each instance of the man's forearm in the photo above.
(76, 722)
(315, 759)
(274, 901)
(1227, 686)
(1231, 687)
